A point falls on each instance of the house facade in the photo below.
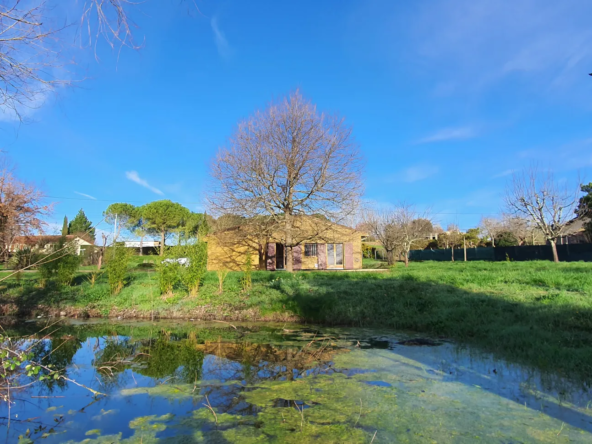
(318, 245)
(45, 244)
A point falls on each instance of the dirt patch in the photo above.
(201, 313)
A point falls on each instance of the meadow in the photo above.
(535, 312)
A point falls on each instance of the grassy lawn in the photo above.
(534, 312)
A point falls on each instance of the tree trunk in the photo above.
(492, 242)
(141, 246)
(390, 257)
(406, 258)
(465, 247)
(554, 249)
(288, 246)
(452, 249)
(162, 233)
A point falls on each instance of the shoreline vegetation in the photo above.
(537, 313)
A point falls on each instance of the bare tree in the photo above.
(382, 224)
(413, 226)
(32, 51)
(21, 209)
(491, 227)
(287, 161)
(548, 205)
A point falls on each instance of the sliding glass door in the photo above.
(335, 255)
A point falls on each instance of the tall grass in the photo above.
(537, 312)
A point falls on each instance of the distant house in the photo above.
(323, 245)
(575, 233)
(146, 247)
(45, 243)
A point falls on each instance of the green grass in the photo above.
(534, 312)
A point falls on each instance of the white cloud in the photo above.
(85, 195)
(221, 43)
(450, 134)
(415, 173)
(504, 174)
(135, 177)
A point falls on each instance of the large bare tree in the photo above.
(288, 161)
(544, 201)
(22, 208)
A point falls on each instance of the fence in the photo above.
(567, 253)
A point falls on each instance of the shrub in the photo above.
(221, 277)
(246, 280)
(117, 264)
(193, 273)
(169, 271)
(23, 258)
(61, 265)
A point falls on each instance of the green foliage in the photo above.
(193, 273)
(585, 204)
(127, 214)
(162, 216)
(506, 239)
(80, 224)
(117, 259)
(61, 265)
(65, 226)
(472, 237)
(247, 281)
(169, 274)
(23, 258)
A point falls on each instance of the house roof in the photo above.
(576, 225)
(238, 227)
(50, 239)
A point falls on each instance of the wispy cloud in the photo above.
(414, 174)
(450, 134)
(221, 43)
(504, 173)
(85, 195)
(135, 177)
(473, 45)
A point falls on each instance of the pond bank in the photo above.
(536, 313)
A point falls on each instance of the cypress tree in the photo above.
(65, 226)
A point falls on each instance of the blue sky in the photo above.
(446, 98)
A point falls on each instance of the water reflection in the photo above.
(285, 384)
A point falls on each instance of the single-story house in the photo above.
(318, 245)
(45, 243)
(144, 247)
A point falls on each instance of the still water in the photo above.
(166, 382)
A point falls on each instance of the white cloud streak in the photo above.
(503, 174)
(221, 43)
(135, 177)
(85, 195)
(449, 134)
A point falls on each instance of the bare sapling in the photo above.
(221, 278)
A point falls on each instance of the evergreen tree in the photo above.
(65, 226)
(81, 224)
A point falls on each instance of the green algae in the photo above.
(337, 408)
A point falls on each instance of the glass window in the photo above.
(310, 249)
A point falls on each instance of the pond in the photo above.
(165, 382)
